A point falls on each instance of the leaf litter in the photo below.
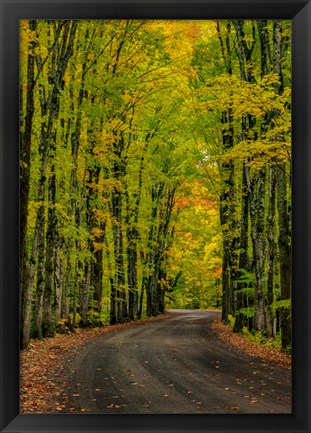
(240, 342)
(46, 366)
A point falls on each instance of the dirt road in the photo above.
(176, 365)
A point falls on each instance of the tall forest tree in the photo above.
(155, 161)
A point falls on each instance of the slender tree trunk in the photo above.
(284, 240)
(27, 300)
(85, 292)
(132, 236)
(228, 217)
(285, 253)
(66, 296)
(119, 277)
(143, 284)
(228, 224)
(49, 263)
(157, 256)
(119, 169)
(271, 248)
(240, 319)
(25, 148)
(37, 330)
(156, 196)
(97, 276)
(49, 107)
(257, 213)
(113, 300)
(70, 298)
(58, 280)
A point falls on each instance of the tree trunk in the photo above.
(97, 276)
(256, 184)
(37, 331)
(119, 275)
(240, 319)
(49, 263)
(58, 280)
(156, 197)
(285, 253)
(284, 240)
(228, 224)
(67, 293)
(85, 291)
(25, 148)
(271, 249)
(257, 213)
(228, 217)
(27, 299)
(143, 284)
(132, 236)
(113, 300)
(49, 107)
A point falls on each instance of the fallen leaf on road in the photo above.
(113, 406)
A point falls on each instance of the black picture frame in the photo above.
(299, 11)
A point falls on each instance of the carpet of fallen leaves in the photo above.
(45, 365)
(243, 344)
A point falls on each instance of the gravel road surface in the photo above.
(175, 365)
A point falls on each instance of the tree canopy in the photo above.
(155, 172)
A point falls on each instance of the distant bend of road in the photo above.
(177, 365)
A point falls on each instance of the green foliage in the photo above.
(231, 320)
(78, 319)
(246, 277)
(141, 161)
(62, 327)
(246, 312)
(194, 304)
(284, 303)
(95, 319)
(263, 340)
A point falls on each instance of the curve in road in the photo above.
(177, 365)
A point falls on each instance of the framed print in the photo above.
(155, 245)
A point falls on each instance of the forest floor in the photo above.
(180, 362)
